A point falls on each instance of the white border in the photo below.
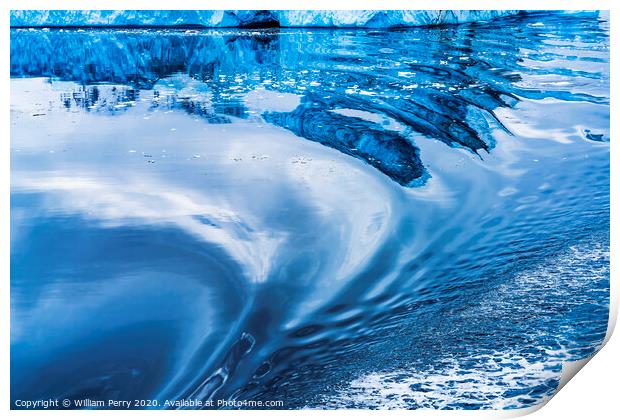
(592, 394)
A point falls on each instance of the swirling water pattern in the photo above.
(330, 218)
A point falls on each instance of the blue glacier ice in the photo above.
(253, 18)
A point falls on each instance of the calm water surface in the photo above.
(330, 218)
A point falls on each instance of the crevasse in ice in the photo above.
(252, 18)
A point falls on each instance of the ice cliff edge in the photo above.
(250, 18)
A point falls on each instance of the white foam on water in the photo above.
(449, 385)
(502, 379)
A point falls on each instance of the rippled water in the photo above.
(330, 218)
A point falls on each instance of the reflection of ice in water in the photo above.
(291, 78)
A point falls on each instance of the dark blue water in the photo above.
(327, 218)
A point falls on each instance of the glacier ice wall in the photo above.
(384, 18)
(252, 18)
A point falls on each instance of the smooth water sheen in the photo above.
(329, 218)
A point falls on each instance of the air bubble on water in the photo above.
(301, 160)
(261, 157)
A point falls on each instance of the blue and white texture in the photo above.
(329, 218)
(253, 18)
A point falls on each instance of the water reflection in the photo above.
(444, 84)
(181, 230)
